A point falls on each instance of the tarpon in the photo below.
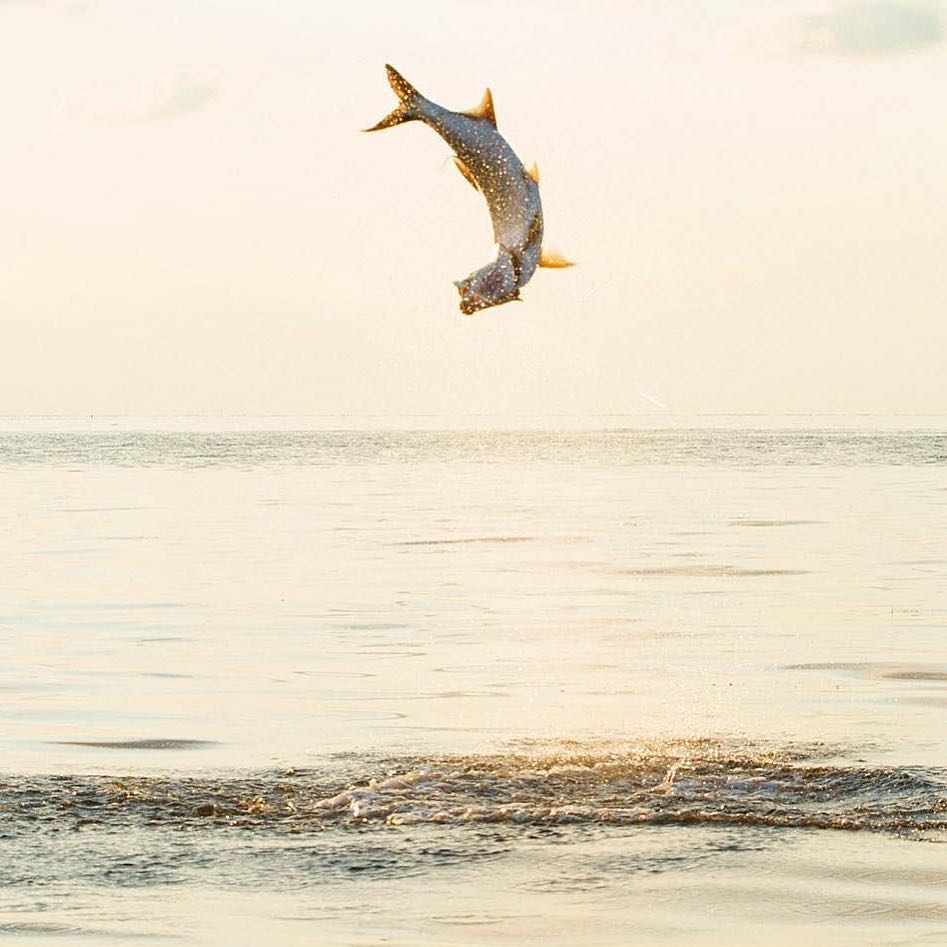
(484, 158)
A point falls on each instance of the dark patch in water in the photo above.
(876, 671)
(154, 744)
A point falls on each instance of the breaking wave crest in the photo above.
(682, 783)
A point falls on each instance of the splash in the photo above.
(678, 783)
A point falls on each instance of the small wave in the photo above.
(467, 541)
(686, 783)
(711, 571)
(40, 929)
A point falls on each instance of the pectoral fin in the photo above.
(484, 109)
(533, 172)
(553, 260)
(465, 171)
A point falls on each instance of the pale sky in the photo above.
(756, 193)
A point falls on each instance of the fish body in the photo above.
(487, 161)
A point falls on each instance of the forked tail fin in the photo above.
(409, 99)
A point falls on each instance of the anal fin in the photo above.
(553, 260)
(465, 171)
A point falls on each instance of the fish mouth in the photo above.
(470, 301)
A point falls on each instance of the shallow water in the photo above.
(357, 681)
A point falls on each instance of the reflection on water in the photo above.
(650, 685)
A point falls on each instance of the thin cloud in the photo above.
(167, 98)
(178, 95)
(856, 28)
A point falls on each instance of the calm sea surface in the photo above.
(359, 681)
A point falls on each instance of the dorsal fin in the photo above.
(533, 172)
(553, 259)
(484, 109)
(465, 171)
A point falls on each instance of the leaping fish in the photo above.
(484, 158)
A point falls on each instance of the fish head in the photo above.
(491, 285)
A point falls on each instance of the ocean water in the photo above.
(428, 681)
